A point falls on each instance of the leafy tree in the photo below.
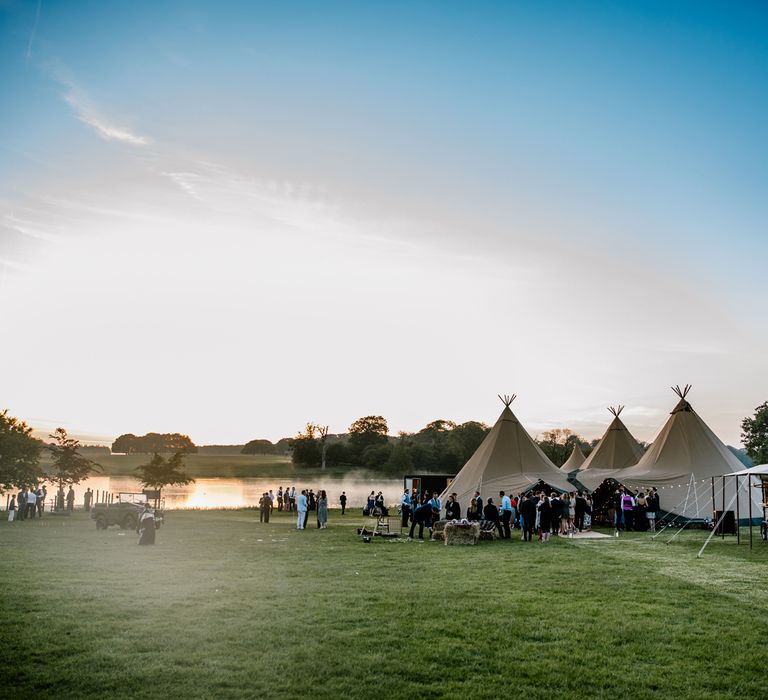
(160, 472)
(19, 454)
(306, 447)
(69, 466)
(466, 438)
(558, 443)
(376, 456)
(754, 435)
(365, 432)
(153, 442)
(337, 454)
(400, 457)
(258, 447)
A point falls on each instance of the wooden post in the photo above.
(722, 529)
(749, 496)
(738, 527)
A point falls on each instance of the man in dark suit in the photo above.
(581, 509)
(422, 516)
(491, 512)
(528, 514)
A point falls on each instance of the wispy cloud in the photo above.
(34, 30)
(86, 111)
(87, 114)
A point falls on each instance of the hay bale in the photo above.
(439, 525)
(456, 534)
(437, 536)
(487, 535)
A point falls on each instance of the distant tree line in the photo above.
(442, 445)
(153, 443)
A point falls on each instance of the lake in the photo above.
(244, 492)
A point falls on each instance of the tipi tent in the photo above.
(681, 463)
(507, 460)
(617, 449)
(574, 461)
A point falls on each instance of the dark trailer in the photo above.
(427, 482)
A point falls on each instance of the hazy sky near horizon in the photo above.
(228, 219)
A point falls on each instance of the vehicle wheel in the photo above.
(101, 523)
(129, 522)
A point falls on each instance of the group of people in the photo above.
(302, 503)
(539, 514)
(30, 502)
(635, 511)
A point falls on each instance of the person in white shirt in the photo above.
(506, 514)
(31, 503)
(405, 508)
(301, 509)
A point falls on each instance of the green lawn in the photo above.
(223, 606)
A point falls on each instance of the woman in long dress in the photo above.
(322, 510)
(146, 526)
(545, 518)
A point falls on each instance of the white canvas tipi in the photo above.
(574, 461)
(617, 449)
(507, 460)
(681, 463)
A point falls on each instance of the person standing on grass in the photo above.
(556, 504)
(21, 504)
(421, 516)
(627, 505)
(279, 498)
(638, 513)
(506, 513)
(478, 505)
(580, 509)
(265, 505)
(405, 508)
(343, 501)
(88, 499)
(491, 512)
(42, 493)
(452, 508)
(12, 509)
(436, 507)
(146, 527)
(71, 501)
(301, 510)
(322, 510)
(31, 502)
(528, 517)
(545, 518)
(652, 507)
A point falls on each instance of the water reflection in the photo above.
(241, 493)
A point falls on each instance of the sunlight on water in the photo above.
(242, 493)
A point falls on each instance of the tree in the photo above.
(160, 472)
(466, 438)
(69, 466)
(258, 447)
(754, 435)
(153, 442)
(19, 454)
(366, 432)
(306, 447)
(558, 443)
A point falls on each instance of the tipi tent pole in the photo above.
(688, 493)
(714, 502)
(683, 502)
(714, 530)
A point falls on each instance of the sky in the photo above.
(229, 219)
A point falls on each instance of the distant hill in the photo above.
(741, 455)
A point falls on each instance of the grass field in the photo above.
(223, 606)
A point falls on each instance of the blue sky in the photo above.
(563, 200)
